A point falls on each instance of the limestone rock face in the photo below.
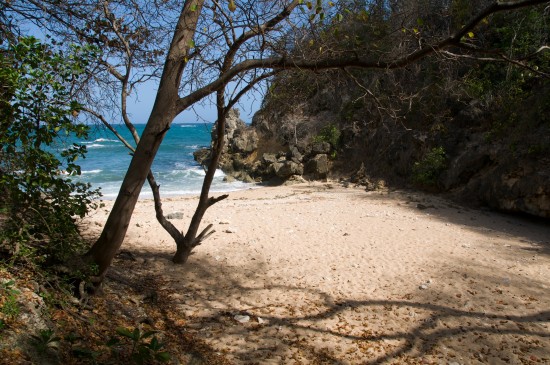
(510, 186)
(244, 141)
(269, 158)
(233, 123)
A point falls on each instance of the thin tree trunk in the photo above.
(191, 239)
(163, 113)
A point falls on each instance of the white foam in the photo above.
(95, 145)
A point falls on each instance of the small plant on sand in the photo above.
(133, 345)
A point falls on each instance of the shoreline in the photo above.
(149, 196)
(317, 271)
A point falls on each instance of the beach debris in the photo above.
(230, 230)
(425, 285)
(175, 215)
(242, 318)
(223, 222)
(261, 320)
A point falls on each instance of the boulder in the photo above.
(295, 155)
(294, 179)
(287, 168)
(202, 156)
(269, 158)
(318, 148)
(175, 215)
(318, 166)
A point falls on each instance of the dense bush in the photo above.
(426, 171)
(37, 116)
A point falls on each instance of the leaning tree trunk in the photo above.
(163, 113)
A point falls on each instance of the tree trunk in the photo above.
(191, 239)
(163, 113)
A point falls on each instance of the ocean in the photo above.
(174, 167)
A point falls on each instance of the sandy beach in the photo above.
(319, 273)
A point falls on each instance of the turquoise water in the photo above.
(175, 170)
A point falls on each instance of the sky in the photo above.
(140, 108)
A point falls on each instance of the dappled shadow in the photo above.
(357, 298)
(488, 323)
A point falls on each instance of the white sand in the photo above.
(338, 275)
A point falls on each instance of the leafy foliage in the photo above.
(140, 350)
(427, 170)
(330, 134)
(44, 340)
(9, 308)
(37, 114)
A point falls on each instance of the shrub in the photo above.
(330, 134)
(427, 171)
(37, 114)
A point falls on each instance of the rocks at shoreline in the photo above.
(241, 159)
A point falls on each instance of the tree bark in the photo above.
(191, 239)
(163, 113)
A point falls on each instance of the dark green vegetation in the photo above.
(464, 121)
(40, 201)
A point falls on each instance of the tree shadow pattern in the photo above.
(295, 325)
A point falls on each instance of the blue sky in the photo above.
(141, 108)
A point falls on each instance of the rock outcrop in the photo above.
(242, 158)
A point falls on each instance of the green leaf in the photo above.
(162, 356)
(471, 34)
(136, 335)
(124, 332)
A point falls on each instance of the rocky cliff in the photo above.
(475, 155)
